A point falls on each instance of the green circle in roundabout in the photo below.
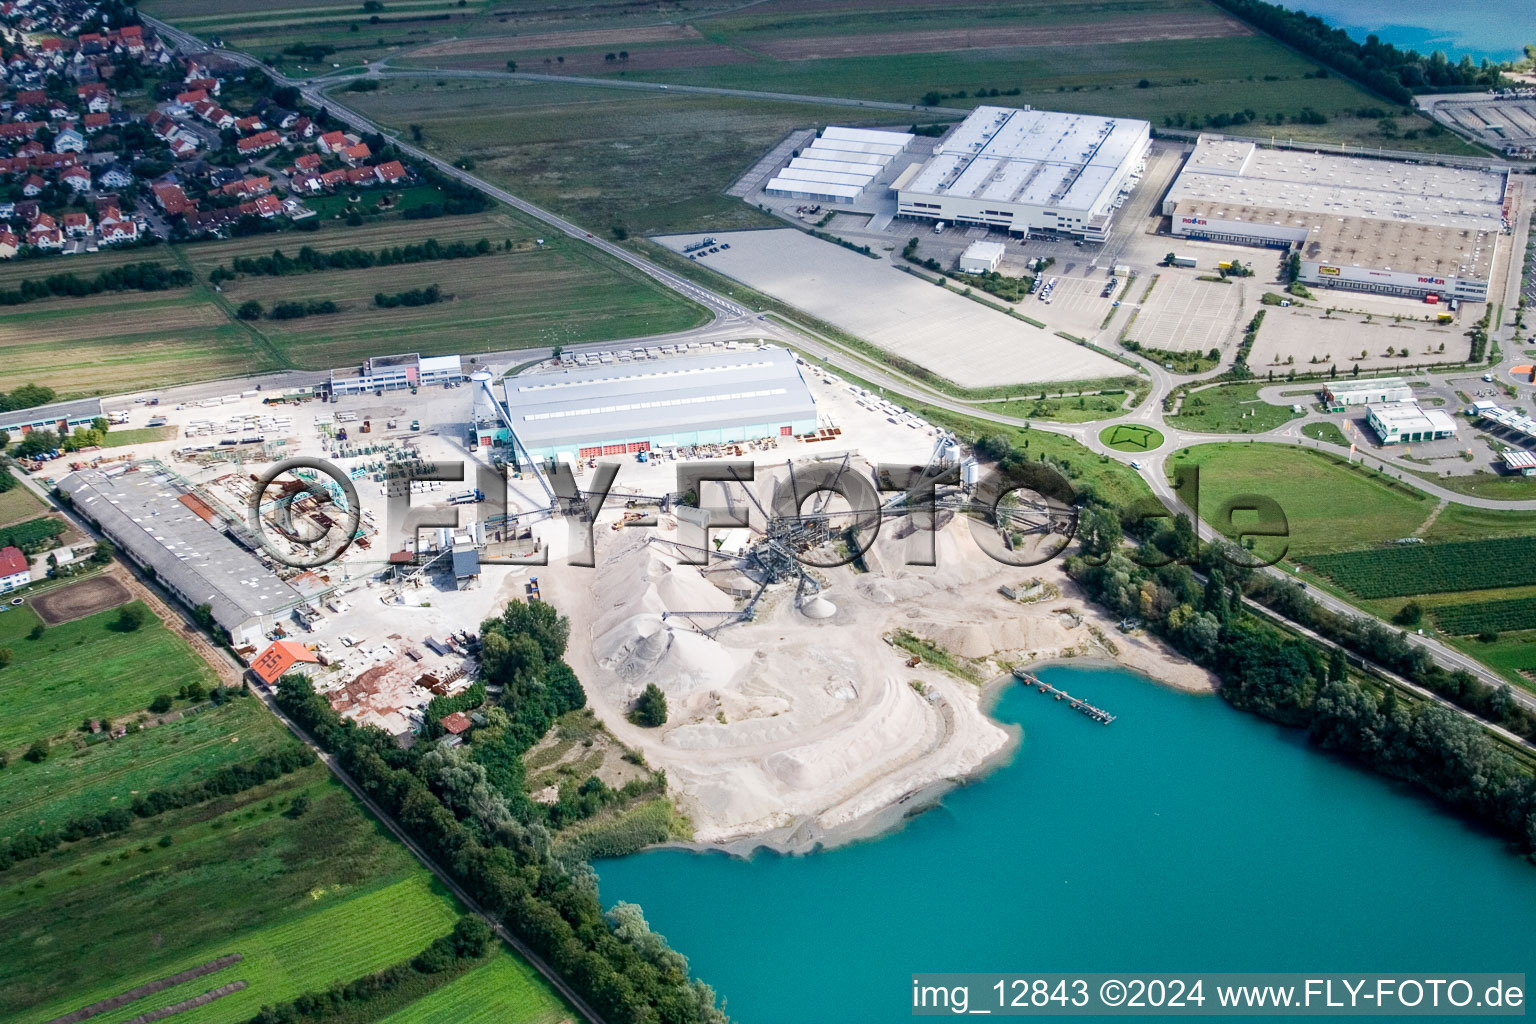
(1131, 437)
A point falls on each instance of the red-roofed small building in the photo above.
(172, 199)
(307, 162)
(246, 125)
(14, 571)
(93, 123)
(456, 725)
(77, 224)
(354, 156)
(258, 143)
(280, 659)
(390, 172)
(191, 96)
(9, 244)
(332, 142)
(33, 186)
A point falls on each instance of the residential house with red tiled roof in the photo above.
(76, 177)
(333, 142)
(9, 244)
(258, 143)
(354, 156)
(390, 172)
(14, 570)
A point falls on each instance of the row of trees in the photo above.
(1395, 74)
(308, 259)
(253, 310)
(26, 396)
(374, 995)
(140, 277)
(467, 807)
(227, 781)
(427, 296)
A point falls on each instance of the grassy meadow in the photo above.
(87, 668)
(293, 874)
(533, 295)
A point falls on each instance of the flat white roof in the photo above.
(813, 188)
(1031, 157)
(795, 173)
(1516, 459)
(434, 364)
(820, 151)
(1245, 174)
(1408, 417)
(1349, 387)
(679, 395)
(985, 250)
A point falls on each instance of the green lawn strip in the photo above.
(504, 990)
(86, 669)
(1483, 485)
(1325, 431)
(138, 435)
(1130, 437)
(1512, 655)
(1117, 482)
(1231, 409)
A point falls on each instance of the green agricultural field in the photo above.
(1065, 409)
(1128, 437)
(19, 503)
(1408, 569)
(503, 991)
(80, 776)
(1492, 616)
(85, 669)
(642, 161)
(306, 897)
(1231, 409)
(562, 292)
(1331, 505)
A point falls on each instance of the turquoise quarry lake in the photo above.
(1185, 836)
(1495, 29)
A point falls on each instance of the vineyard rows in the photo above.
(1432, 568)
(1496, 616)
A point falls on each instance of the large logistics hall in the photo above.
(628, 408)
(1365, 225)
(839, 165)
(1029, 171)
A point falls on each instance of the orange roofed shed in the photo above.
(274, 662)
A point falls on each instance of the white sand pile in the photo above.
(798, 723)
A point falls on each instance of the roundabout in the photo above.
(1131, 437)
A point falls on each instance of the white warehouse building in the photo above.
(1029, 171)
(391, 373)
(629, 408)
(1401, 422)
(839, 165)
(1359, 224)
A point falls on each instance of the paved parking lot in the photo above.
(1185, 314)
(960, 339)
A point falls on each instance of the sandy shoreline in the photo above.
(805, 837)
(795, 731)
